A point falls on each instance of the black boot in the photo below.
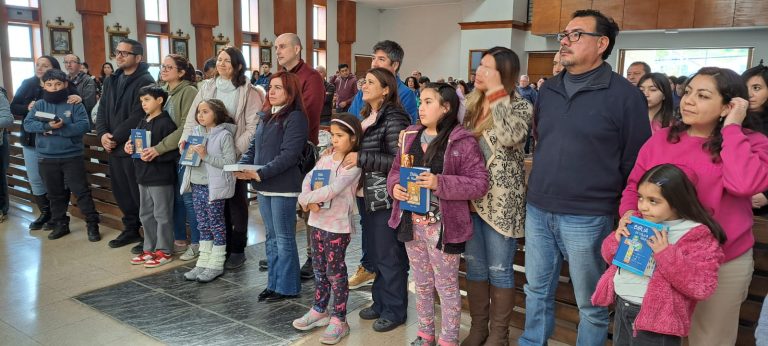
(61, 229)
(45, 213)
(93, 232)
(125, 238)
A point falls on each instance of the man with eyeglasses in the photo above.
(590, 124)
(119, 111)
(85, 85)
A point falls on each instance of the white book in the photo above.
(240, 167)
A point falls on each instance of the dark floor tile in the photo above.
(116, 295)
(238, 334)
(149, 311)
(204, 294)
(280, 322)
(187, 326)
(243, 305)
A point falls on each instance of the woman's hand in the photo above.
(659, 241)
(128, 148)
(738, 111)
(759, 201)
(622, 230)
(350, 161)
(200, 149)
(182, 144)
(149, 154)
(399, 193)
(313, 207)
(247, 175)
(74, 99)
(427, 180)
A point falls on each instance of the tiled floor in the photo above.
(42, 277)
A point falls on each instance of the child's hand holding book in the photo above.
(399, 193)
(128, 148)
(199, 149)
(659, 241)
(56, 124)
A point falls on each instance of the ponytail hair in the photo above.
(183, 65)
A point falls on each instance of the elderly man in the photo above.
(527, 91)
(589, 128)
(637, 70)
(85, 85)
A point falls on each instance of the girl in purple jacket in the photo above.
(434, 241)
(657, 310)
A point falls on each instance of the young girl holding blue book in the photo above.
(657, 309)
(434, 240)
(211, 186)
(328, 193)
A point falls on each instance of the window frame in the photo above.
(623, 64)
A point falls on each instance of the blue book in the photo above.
(141, 139)
(321, 178)
(418, 197)
(634, 254)
(189, 157)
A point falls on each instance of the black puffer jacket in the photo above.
(377, 150)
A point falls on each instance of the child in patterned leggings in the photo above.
(331, 204)
(211, 186)
(435, 240)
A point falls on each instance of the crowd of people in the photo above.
(689, 153)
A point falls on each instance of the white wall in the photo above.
(267, 26)
(430, 48)
(331, 39)
(178, 18)
(123, 12)
(226, 25)
(486, 10)
(367, 30)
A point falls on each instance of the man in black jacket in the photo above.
(119, 103)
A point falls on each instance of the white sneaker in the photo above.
(193, 250)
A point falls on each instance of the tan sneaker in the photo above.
(361, 278)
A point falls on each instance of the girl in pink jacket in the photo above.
(657, 310)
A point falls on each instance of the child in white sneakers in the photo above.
(330, 228)
(211, 186)
(156, 176)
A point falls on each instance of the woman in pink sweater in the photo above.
(716, 141)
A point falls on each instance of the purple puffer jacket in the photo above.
(464, 178)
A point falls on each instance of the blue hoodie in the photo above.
(62, 143)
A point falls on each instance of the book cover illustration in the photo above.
(418, 197)
(634, 254)
(189, 157)
(141, 139)
(321, 178)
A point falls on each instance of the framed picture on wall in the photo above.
(61, 37)
(116, 33)
(265, 55)
(180, 43)
(219, 43)
(475, 55)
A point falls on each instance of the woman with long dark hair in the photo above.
(499, 119)
(383, 119)
(719, 142)
(756, 79)
(657, 90)
(243, 103)
(277, 147)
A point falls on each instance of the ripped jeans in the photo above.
(490, 255)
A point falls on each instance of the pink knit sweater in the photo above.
(686, 272)
(725, 188)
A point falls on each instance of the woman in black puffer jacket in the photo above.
(383, 254)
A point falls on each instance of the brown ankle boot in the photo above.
(502, 305)
(479, 301)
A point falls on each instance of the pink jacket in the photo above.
(686, 272)
(725, 188)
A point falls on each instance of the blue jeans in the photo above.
(550, 238)
(279, 215)
(33, 171)
(490, 255)
(761, 332)
(183, 212)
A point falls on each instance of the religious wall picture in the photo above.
(61, 37)
(265, 55)
(180, 43)
(475, 55)
(220, 42)
(116, 33)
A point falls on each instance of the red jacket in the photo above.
(686, 272)
(312, 95)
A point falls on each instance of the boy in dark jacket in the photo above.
(156, 179)
(59, 146)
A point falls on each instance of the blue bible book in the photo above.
(321, 178)
(418, 197)
(141, 139)
(189, 157)
(634, 253)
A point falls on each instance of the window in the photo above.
(685, 62)
(156, 49)
(22, 3)
(319, 35)
(156, 10)
(250, 15)
(251, 55)
(24, 47)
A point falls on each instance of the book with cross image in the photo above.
(634, 254)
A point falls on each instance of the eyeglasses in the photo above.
(224, 61)
(574, 36)
(167, 67)
(124, 53)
